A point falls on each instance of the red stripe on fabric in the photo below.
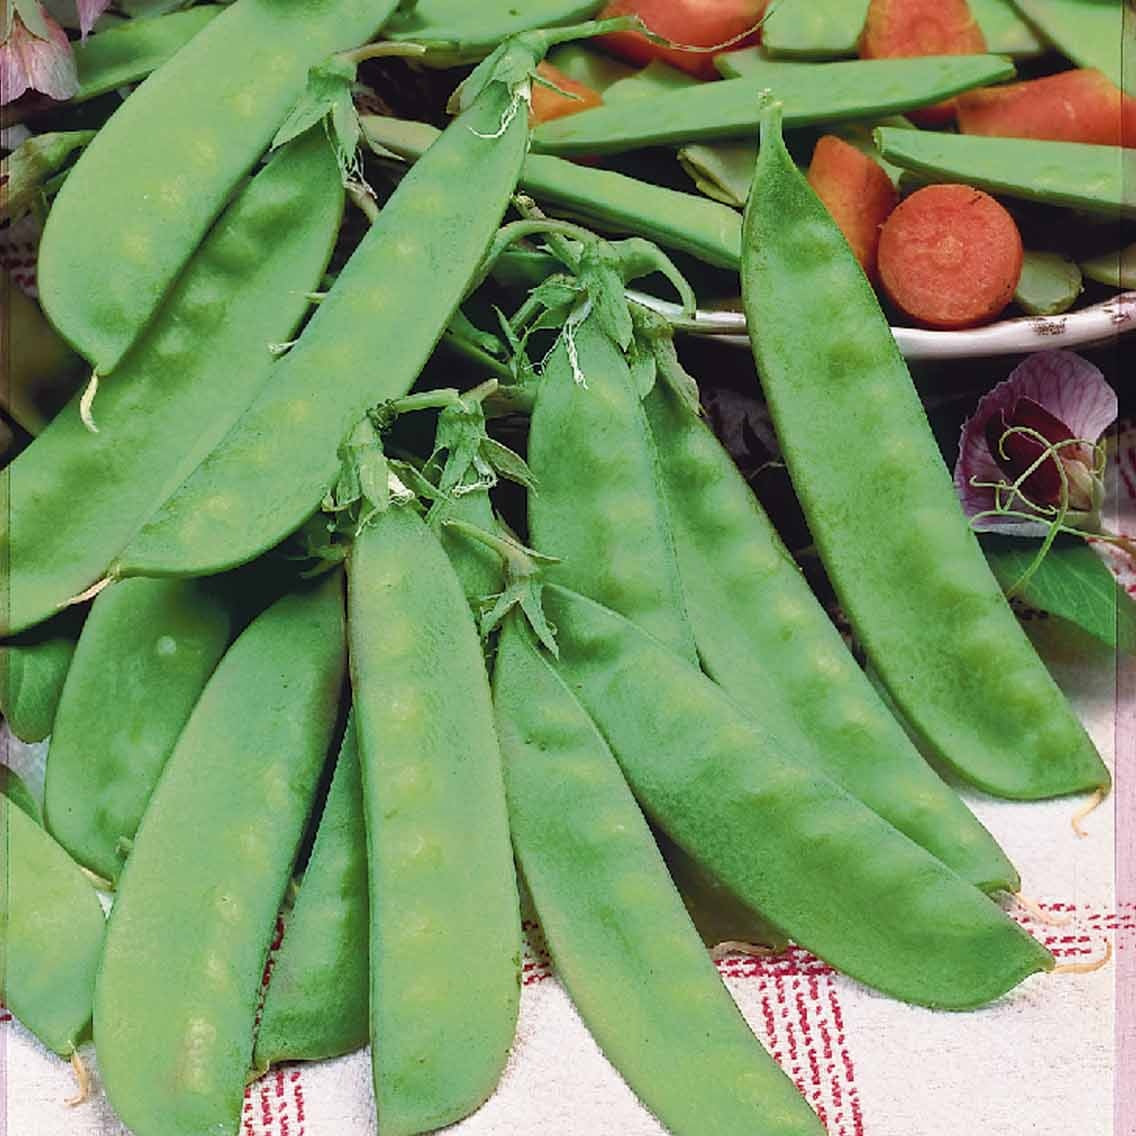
(298, 1100)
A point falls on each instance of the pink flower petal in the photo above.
(1066, 385)
(89, 12)
(28, 63)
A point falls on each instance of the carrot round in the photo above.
(695, 23)
(1072, 106)
(950, 256)
(548, 104)
(858, 194)
(901, 28)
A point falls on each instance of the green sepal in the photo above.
(328, 98)
(474, 460)
(654, 339)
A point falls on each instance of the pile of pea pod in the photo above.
(375, 571)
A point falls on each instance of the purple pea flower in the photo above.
(1031, 456)
(35, 53)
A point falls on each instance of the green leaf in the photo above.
(1072, 583)
(326, 95)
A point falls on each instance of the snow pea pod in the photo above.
(1072, 174)
(1116, 269)
(391, 301)
(1049, 284)
(440, 888)
(599, 507)
(764, 638)
(605, 199)
(130, 51)
(887, 523)
(620, 938)
(471, 31)
(76, 497)
(824, 868)
(812, 29)
(1100, 34)
(16, 790)
(197, 902)
(33, 669)
(1004, 30)
(316, 1003)
(51, 935)
(147, 189)
(821, 92)
(146, 652)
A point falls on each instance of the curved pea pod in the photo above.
(146, 652)
(764, 638)
(891, 533)
(440, 887)
(612, 202)
(33, 669)
(129, 51)
(147, 189)
(821, 92)
(599, 506)
(76, 497)
(1095, 179)
(472, 31)
(51, 935)
(1092, 33)
(196, 906)
(820, 865)
(621, 941)
(316, 1003)
(391, 301)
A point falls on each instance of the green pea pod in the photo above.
(440, 887)
(146, 652)
(1004, 30)
(1100, 34)
(589, 66)
(882, 508)
(472, 31)
(764, 638)
(813, 29)
(146, 191)
(824, 868)
(51, 935)
(33, 669)
(619, 936)
(599, 506)
(196, 907)
(392, 301)
(128, 52)
(609, 201)
(1114, 269)
(1095, 179)
(1049, 284)
(821, 92)
(41, 371)
(316, 1003)
(14, 788)
(76, 497)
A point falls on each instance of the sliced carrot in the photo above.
(858, 194)
(950, 256)
(548, 104)
(695, 23)
(900, 28)
(1072, 106)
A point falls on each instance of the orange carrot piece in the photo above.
(1072, 106)
(548, 104)
(950, 256)
(695, 23)
(858, 194)
(900, 28)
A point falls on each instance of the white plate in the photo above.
(1092, 325)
